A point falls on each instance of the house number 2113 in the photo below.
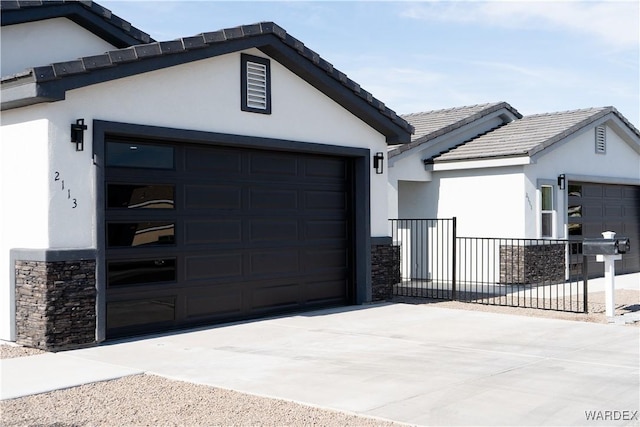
(59, 179)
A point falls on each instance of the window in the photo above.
(134, 155)
(547, 211)
(601, 139)
(135, 272)
(256, 84)
(146, 233)
(574, 210)
(141, 196)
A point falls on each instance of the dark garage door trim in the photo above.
(361, 168)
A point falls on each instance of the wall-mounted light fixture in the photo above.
(561, 181)
(378, 162)
(77, 134)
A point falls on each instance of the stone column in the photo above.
(385, 268)
(55, 298)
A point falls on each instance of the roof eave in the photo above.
(25, 94)
(91, 16)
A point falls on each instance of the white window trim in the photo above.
(553, 211)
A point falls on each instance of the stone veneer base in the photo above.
(55, 298)
(385, 270)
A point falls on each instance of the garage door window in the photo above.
(137, 272)
(140, 196)
(145, 233)
(133, 155)
(574, 210)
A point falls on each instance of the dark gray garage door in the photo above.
(594, 208)
(203, 234)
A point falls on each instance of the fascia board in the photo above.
(479, 164)
(27, 94)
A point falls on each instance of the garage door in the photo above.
(202, 234)
(594, 208)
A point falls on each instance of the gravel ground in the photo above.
(149, 400)
(626, 301)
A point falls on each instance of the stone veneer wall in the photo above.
(385, 270)
(532, 264)
(55, 303)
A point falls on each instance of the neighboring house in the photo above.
(147, 186)
(565, 175)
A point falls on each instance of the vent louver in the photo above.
(256, 85)
(601, 139)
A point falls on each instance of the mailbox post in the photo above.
(607, 250)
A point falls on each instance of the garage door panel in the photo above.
(273, 165)
(325, 200)
(213, 160)
(212, 231)
(327, 169)
(279, 295)
(274, 230)
(213, 197)
(225, 301)
(214, 266)
(589, 190)
(613, 210)
(318, 260)
(613, 192)
(277, 261)
(266, 199)
(143, 311)
(322, 291)
(326, 229)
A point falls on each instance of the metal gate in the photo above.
(534, 273)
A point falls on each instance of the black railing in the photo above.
(533, 273)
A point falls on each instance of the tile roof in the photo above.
(432, 124)
(527, 136)
(86, 13)
(53, 80)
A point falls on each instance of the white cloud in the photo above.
(616, 23)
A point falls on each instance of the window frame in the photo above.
(245, 59)
(553, 212)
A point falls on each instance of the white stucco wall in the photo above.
(487, 202)
(24, 200)
(44, 42)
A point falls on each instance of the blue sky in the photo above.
(539, 56)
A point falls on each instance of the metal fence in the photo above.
(534, 273)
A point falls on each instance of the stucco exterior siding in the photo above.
(45, 42)
(24, 187)
(486, 202)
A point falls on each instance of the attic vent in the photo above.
(601, 139)
(256, 85)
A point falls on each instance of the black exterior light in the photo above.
(77, 134)
(378, 162)
(561, 181)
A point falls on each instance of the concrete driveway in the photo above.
(418, 364)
